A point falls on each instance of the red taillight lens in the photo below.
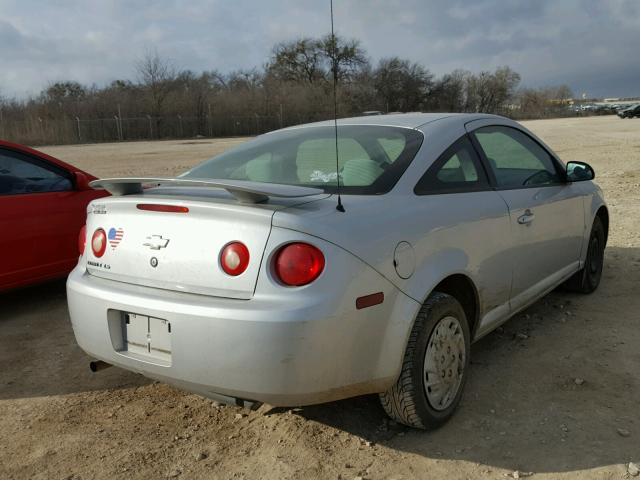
(298, 264)
(82, 240)
(99, 242)
(234, 258)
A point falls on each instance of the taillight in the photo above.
(298, 264)
(82, 240)
(234, 258)
(99, 242)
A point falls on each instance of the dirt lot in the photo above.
(523, 409)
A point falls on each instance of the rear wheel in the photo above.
(435, 366)
(587, 279)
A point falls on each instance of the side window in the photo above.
(21, 174)
(515, 158)
(457, 170)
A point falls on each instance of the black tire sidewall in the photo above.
(445, 305)
(590, 282)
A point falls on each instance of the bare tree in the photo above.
(311, 60)
(449, 92)
(158, 76)
(562, 93)
(297, 60)
(543, 102)
(346, 56)
(489, 92)
(292, 87)
(62, 91)
(402, 85)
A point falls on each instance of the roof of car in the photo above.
(406, 120)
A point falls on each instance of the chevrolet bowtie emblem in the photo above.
(156, 242)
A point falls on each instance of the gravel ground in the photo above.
(555, 392)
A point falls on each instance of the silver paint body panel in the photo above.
(254, 339)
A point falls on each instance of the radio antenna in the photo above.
(334, 66)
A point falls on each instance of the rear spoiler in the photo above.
(243, 191)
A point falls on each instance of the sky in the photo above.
(591, 45)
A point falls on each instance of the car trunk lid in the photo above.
(178, 249)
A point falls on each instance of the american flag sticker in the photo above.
(115, 236)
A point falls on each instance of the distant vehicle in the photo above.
(630, 112)
(43, 203)
(244, 281)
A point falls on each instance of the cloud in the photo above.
(589, 44)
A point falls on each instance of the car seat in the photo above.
(360, 172)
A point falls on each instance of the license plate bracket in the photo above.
(147, 337)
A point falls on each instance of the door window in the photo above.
(21, 174)
(515, 158)
(457, 170)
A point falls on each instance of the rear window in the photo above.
(371, 158)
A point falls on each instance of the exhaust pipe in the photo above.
(98, 365)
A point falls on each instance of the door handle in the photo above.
(527, 218)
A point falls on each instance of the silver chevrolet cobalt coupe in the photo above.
(240, 280)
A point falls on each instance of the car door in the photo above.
(472, 222)
(41, 214)
(546, 212)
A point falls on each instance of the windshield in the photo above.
(371, 158)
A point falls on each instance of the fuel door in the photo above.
(404, 260)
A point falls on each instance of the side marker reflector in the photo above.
(369, 300)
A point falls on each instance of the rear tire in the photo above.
(435, 366)
(588, 278)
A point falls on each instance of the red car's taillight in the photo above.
(99, 242)
(82, 240)
(234, 258)
(298, 264)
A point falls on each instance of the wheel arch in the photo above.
(463, 289)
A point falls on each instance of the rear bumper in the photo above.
(273, 349)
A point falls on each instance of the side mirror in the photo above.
(81, 181)
(579, 172)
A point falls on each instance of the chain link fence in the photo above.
(69, 129)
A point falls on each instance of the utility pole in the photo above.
(41, 129)
(120, 133)
(209, 121)
(118, 129)
(79, 136)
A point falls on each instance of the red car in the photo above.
(43, 204)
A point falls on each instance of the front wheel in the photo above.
(435, 366)
(588, 278)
